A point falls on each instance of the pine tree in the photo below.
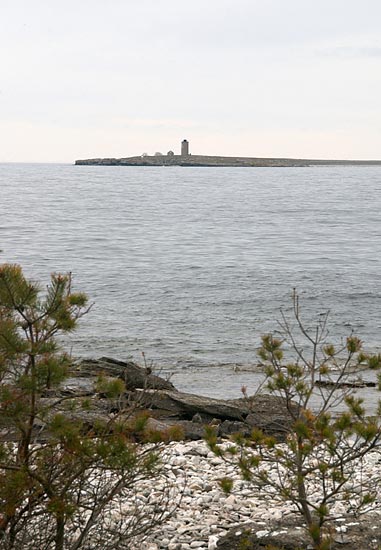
(64, 485)
(325, 445)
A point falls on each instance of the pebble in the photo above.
(205, 513)
(263, 533)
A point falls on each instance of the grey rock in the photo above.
(132, 374)
(187, 405)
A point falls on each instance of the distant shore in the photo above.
(218, 161)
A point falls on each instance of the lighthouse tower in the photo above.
(184, 148)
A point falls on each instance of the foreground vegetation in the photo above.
(63, 484)
(68, 485)
(320, 461)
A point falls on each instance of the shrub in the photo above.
(330, 434)
(64, 484)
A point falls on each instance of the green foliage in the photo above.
(374, 361)
(59, 476)
(110, 387)
(175, 433)
(322, 447)
(226, 485)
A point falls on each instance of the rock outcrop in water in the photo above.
(166, 406)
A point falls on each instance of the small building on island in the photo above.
(185, 148)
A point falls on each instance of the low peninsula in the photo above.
(186, 159)
(215, 161)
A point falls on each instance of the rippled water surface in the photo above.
(191, 265)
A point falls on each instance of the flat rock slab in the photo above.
(132, 374)
(363, 534)
(266, 412)
(186, 405)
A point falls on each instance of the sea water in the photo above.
(189, 266)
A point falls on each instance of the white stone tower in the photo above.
(184, 148)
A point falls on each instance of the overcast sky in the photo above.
(97, 78)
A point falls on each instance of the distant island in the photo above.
(186, 159)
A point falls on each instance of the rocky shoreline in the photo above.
(206, 518)
(166, 407)
(210, 520)
(169, 407)
(203, 517)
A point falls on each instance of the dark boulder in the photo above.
(292, 534)
(270, 414)
(134, 376)
(229, 427)
(243, 538)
